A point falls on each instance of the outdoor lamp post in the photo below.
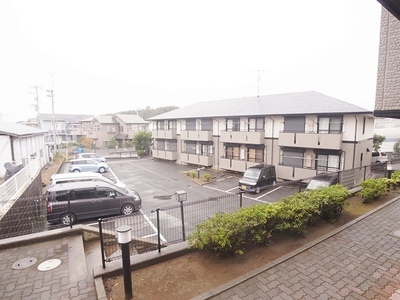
(124, 237)
(389, 169)
(182, 196)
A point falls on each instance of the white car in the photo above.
(87, 165)
(92, 156)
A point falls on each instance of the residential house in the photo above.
(122, 127)
(21, 144)
(302, 134)
(61, 128)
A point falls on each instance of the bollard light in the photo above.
(389, 169)
(181, 195)
(124, 234)
(124, 237)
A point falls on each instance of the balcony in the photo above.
(196, 135)
(332, 141)
(164, 134)
(235, 164)
(196, 159)
(163, 154)
(243, 137)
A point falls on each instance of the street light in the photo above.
(124, 237)
(389, 169)
(181, 196)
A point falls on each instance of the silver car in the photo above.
(87, 165)
(93, 156)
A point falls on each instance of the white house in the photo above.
(21, 144)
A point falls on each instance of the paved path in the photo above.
(360, 262)
(69, 280)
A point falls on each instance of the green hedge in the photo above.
(227, 234)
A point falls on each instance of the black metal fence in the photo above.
(161, 227)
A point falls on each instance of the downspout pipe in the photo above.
(272, 143)
(355, 140)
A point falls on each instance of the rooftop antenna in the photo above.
(258, 81)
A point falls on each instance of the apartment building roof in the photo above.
(68, 118)
(131, 119)
(101, 119)
(300, 103)
(18, 130)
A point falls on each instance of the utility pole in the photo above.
(51, 95)
(37, 102)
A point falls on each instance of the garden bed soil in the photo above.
(192, 274)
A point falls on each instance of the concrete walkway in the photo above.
(360, 261)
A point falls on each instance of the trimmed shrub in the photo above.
(373, 189)
(207, 176)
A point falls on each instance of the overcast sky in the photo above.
(109, 56)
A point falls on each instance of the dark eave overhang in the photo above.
(393, 6)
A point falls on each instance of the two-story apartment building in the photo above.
(302, 134)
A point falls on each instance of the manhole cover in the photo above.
(49, 264)
(24, 263)
(163, 197)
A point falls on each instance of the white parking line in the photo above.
(152, 225)
(229, 192)
(269, 192)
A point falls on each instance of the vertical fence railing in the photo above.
(163, 226)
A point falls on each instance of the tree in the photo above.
(396, 147)
(142, 142)
(377, 141)
(112, 143)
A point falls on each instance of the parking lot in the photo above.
(158, 181)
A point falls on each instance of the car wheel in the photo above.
(76, 171)
(258, 190)
(128, 209)
(102, 170)
(67, 219)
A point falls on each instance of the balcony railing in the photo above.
(311, 140)
(164, 134)
(243, 137)
(197, 159)
(164, 154)
(197, 135)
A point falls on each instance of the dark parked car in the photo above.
(89, 199)
(258, 178)
(323, 179)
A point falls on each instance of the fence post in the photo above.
(183, 223)
(103, 259)
(241, 199)
(158, 230)
(299, 185)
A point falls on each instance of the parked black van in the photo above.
(89, 199)
(258, 178)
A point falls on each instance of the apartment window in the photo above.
(172, 146)
(96, 127)
(256, 124)
(206, 124)
(329, 124)
(327, 162)
(233, 124)
(255, 154)
(190, 147)
(160, 125)
(191, 124)
(232, 152)
(293, 158)
(294, 124)
(111, 129)
(171, 125)
(206, 149)
(160, 144)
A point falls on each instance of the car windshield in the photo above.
(316, 184)
(252, 173)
